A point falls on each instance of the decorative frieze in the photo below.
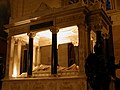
(95, 19)
(70, 18)
(46, 84)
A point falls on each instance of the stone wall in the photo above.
(115, 17)
(116, 41)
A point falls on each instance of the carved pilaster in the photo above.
(19, 56)
(15, 56)
(15, 60)
(8, 71)
(83, 46)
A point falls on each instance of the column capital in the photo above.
(31, 34)
(105, 36)
(54, 30)
(81, 25)
(98, 27)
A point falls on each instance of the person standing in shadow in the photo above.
(96, 69)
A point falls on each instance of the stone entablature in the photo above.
(61, 17)
(23, 10)
(99, 21)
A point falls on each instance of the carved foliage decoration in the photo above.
(80, 18)
(95, 20)
(45, 84)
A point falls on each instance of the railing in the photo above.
(104, 4)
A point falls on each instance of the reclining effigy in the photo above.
(45, 70)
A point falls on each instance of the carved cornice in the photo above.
(101, 13)
(99, 19)
(54, 12)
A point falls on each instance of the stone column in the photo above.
(54, 60)
(30, 54)
(98, 29)
(106, 46)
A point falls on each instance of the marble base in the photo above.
(45, 83)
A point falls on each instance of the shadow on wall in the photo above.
(4, 13)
